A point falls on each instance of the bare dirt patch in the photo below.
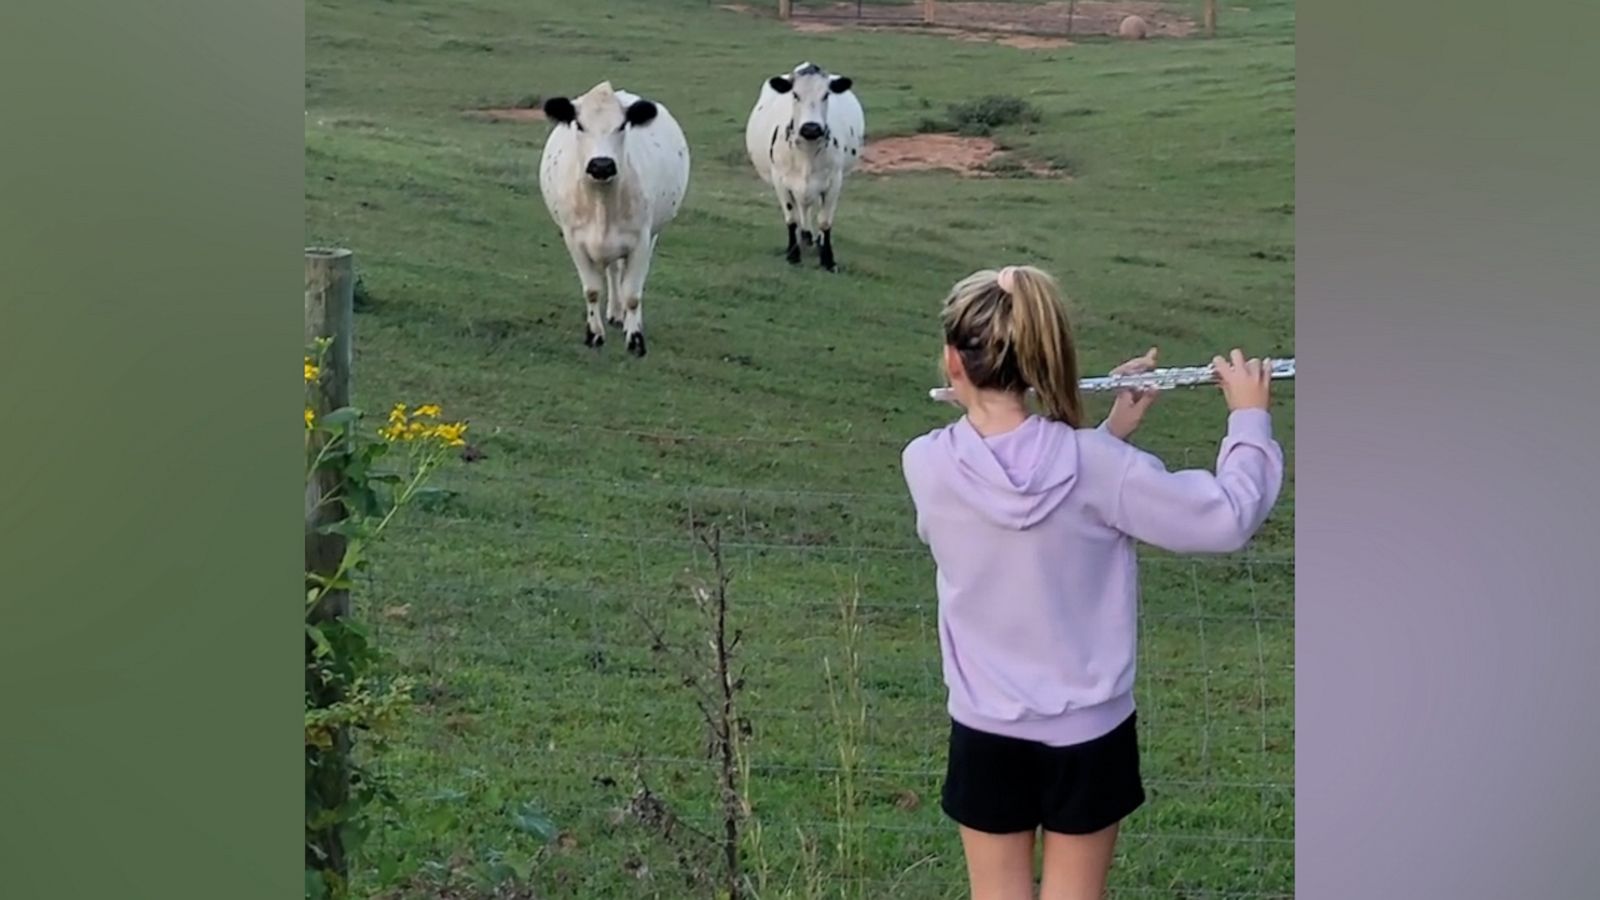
(1029, 41)
(970, 157)
(508, 114)
(1025, 26)
(805, 27)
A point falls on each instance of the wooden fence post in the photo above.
(1211, 18)
(785, 9)
(927, 12)
(330, 313)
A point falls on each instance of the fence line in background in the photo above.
(963, 15)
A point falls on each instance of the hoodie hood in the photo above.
(1014, 479)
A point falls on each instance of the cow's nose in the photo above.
(811, 131)
(602, 168)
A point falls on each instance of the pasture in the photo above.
(1157, 184)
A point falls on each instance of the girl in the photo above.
(1032, 521)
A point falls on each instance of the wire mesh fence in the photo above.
(1044, 18)
(540, 666)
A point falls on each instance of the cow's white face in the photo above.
(808, 89)
(600, 123)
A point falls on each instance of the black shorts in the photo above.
(1003, 785)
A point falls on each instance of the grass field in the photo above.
(774, 403)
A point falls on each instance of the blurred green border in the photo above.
(151, 222)
(150, 219)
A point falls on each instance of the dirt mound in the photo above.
(508, 114)
(971, 157)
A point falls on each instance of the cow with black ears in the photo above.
(804, 136)
(614, 173)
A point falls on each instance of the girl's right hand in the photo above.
(1246, 384)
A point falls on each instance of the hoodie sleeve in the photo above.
(1194, 511)
(911, 468)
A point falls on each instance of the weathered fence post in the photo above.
(785, 9)
(330, 314)
(1211, 18)
(927, 12)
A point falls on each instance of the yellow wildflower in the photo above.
(407, 426)
(451, 433)
(312, 372)
(310, 418)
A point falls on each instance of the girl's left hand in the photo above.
(1128, 410)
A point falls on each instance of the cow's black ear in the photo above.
(780, 84)
(841, 84)
(641, 112)
(560, 109)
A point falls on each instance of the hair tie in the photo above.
(1007, 279)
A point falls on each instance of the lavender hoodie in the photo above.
(1033, 535)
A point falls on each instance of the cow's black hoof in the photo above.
(806, 238)
(793, 256)
(636, 343)
(614, 323)
(590, 339)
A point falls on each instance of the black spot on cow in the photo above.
(560, 110)
(792, 254)
(636, 343)
(640, 112)
(809, 69)
(826, 246)
(774, 142)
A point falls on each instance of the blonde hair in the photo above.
(1012, 340)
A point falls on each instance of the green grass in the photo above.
(774, 402)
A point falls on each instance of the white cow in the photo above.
(804, 136)
(613, 174)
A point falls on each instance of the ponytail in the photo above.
(1012, 333)
(1041, 338)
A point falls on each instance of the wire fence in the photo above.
(557, 579)
(1040, 18)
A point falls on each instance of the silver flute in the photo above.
(1153, 380)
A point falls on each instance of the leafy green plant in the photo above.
(980, 117)
(357, 482)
